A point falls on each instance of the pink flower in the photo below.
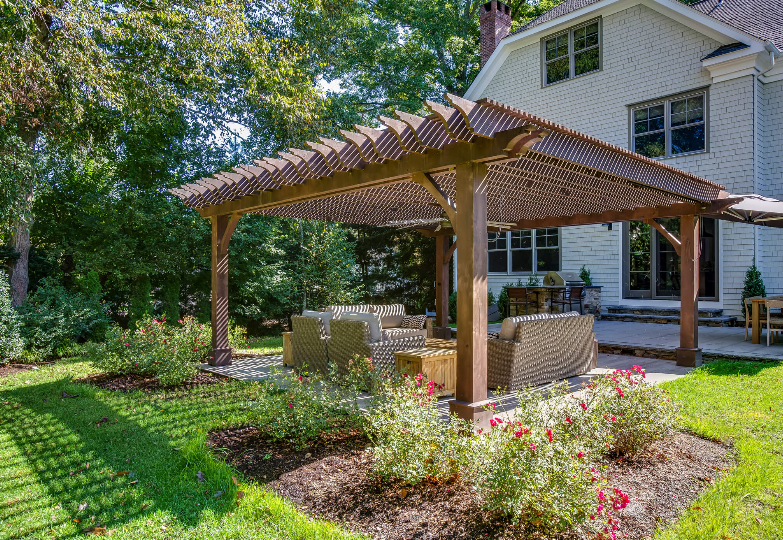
(290, 406)
(531, 446)
(495, 421)
(620, 391)
(127, 344)
(614, 419)
(549, 435)
(480, 431)
(583, 406)
(580, 455)
(491, 405)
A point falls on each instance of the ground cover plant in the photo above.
(79, 459)
(740, 402)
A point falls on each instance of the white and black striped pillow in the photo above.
(415, 322)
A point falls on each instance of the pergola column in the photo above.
(441, 281)
(689, 353)
(222, 229)
(471, 228)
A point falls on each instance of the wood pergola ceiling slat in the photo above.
(536, 169)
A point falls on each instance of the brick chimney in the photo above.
(494, 23)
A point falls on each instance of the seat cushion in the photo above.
(508, 330)
(371, 319)
(397, 333)
(325, 317)
(391, 315)
(339, 310)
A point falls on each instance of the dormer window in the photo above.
(571, 53)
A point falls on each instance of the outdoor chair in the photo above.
(774, 321)
(309, 343)
(538, 349)
(571, 298)
(354, 337)
(520, 296)
(748, 308)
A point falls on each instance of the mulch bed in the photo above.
(330, 481)
(128, 383)
(10, 369)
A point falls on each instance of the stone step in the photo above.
(662, 311)
(667, 319)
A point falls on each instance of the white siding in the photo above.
(770, 252)
(645, 56)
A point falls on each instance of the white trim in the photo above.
(719, 31)
(773, 75)
(734, 66)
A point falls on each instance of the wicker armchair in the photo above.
(353, 337)
(543, 350)
(309, 344)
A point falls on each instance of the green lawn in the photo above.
(740, 402)
(264, 346)
(54, 459)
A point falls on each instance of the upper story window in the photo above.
(574, 52)
(671, 126)
(523, 251)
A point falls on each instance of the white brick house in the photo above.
(698, 87)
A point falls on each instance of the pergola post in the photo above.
(441, 282)
(471, 228)
(689, 353)
(222, 229)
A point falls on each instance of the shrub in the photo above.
(532, 468)
(11, 343)
(298, 408)
(584, 275)
(624, 412)
(237, 336)
(453, 306)
(411, 442)
(53, 317)
(533, 280)
(753, 286)
(168, 352)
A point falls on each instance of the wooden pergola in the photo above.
(475, 162)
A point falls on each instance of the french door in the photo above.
(651, 266)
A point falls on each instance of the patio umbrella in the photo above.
(755, 209)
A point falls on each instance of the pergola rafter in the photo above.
(461, 166)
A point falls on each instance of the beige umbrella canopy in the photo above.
(755, 209)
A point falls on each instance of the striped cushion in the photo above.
(413, 321)
(391, 315)
(339, 310)
(509, 328)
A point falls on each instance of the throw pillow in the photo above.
(370, 318)
(325, 317)
(413, 321)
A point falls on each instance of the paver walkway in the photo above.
(714, 341)
(259, 368)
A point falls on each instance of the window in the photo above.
(670, 127)
(572, 53)
(523, 251)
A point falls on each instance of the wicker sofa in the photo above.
(544, 348)
(308, 343)
(353, 337)
(394, 322)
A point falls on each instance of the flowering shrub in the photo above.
(298, 408)
(237, 336)
(624, 413)
(412, 442)
(11, 343)
(169, 352)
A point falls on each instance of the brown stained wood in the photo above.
(375, 174)
(449, 253)
(226, 237)
(441, 281)
(471, 286)
(636, 214)
(688, 353)
(452, 120)
(428, 182)
(429, 133)
(220, 354)
(288, 352)
(673, 240)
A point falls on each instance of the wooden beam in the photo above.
(375, 174)
(226, 238)
(634, 214)
(673, 240)
(428, 182)
(689, 353)
(449, 253)
(471, 223)
(441, 281)
(220, 355)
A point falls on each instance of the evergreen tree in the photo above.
(11, 343)
(754, 285)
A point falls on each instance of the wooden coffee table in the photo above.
(436, 343)
(437, 365)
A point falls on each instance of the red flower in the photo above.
(290, 406)
(580, 455)
(583, 406)
(531, 446)
(549, 435)
(568, 420)
(300, 378)
(620, 391)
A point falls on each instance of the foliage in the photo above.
(503, 300)
(169, 352)
(237, 336)
(11, 343)
(623, 413)
(169, 297)
(453, 306)
(411, 441)
(753, 285)
(299, 408)
(490, 297)
(140, 301)
(533, 280)
(584, 275)
(53, 317)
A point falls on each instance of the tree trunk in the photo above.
(21, 224)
